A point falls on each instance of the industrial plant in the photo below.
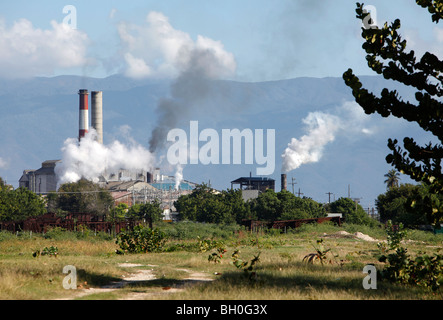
(125, 186)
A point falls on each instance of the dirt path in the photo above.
(141, 275)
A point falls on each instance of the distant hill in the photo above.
(38, 114)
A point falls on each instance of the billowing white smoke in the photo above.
(309, 148)
(322, 128)
(90, 159)
(178, 176)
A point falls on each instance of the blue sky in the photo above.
(268, 40)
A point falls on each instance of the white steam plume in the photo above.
(309, 148)
(90, 159)
(322, 128)
(178, 176)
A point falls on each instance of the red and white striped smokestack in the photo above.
(83, 113)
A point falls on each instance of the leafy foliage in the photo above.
(352, 212)
(141, 240)
(320, 254)
(407, 204)
(392, 178)
(20, 204)
(217, 255)
(284, 205)
(386, 55)
(248, 267)
(119, 212)
(47, 251)
(84, 196)
(205, 205)
(424, 270)
(150, 211)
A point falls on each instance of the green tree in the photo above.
(392, 179)
(206, 205)
(238, 208)
(120, 211)
(386, 54)
(191, 207)
(150, 211)
(84, 196)
(20, 204)
(393, 205)
(266, 206)
(284, 205)
(352, 211)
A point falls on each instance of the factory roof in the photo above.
(127, 185)
(171, 186)
(252, 179)
(254, 183)
(47, 167)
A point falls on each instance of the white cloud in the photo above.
(420, 45)
(112, 13)
(28, 51)
(136, 67)
(157, 49)
(3, 163)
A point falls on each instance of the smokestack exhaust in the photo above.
(283, 182)
(97, 114)
(83, 113)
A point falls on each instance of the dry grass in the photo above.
(281, 274)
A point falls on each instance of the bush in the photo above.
(141, 240)
(425, 270)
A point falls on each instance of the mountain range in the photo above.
(37, 115)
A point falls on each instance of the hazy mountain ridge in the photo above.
(39, 114)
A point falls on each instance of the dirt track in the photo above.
(140, 275)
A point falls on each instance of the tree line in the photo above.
(207, 205)
(78, 197)
(401, 203)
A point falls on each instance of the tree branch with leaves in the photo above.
(386, 54)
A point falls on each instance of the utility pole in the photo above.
(293, 183)
(299, 193)
(329, 193)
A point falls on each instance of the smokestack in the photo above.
(97, 114)
(283, 182)
(83, 113)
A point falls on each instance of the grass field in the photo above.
(182, 271)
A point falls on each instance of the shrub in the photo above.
(141, 240)
(425, 270)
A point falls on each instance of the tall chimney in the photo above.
(83, 113)
(283, 182)
(97, 114)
